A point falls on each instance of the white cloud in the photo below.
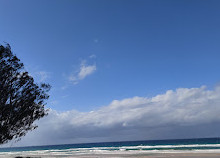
(92, 56)
(84, 71)
(183, 113)
(42, 75)
(96, 40)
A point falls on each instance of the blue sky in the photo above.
(93, 51)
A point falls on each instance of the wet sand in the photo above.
(137, 155)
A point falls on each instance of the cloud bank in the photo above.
(183, 113)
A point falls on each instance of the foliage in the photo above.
(22, 101)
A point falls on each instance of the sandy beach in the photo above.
(137, 155)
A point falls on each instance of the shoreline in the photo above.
(118, 155)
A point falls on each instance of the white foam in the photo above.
(121, 150)
(171, 146)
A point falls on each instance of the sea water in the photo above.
(150, 146)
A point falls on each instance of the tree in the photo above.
(22, 101)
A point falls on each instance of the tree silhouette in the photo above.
(21, 99)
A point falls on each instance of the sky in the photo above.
(119, 69)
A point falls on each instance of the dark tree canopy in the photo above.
(22, 101)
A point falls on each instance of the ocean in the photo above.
(149, 146)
